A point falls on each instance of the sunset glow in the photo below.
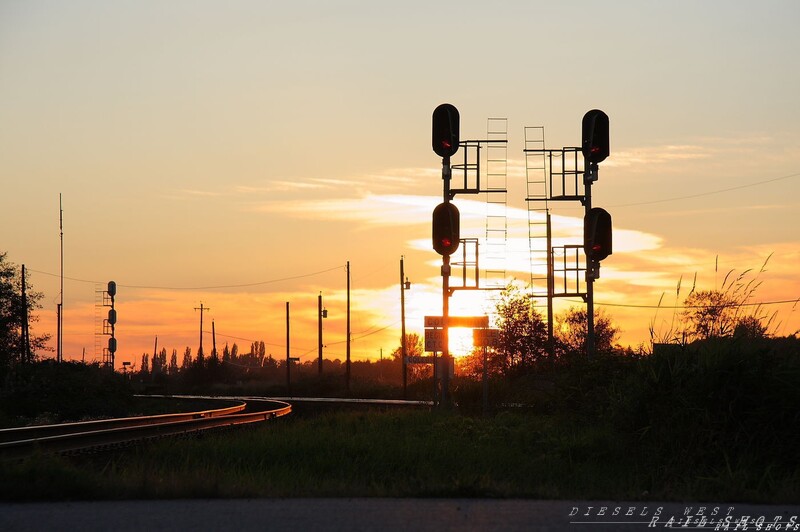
(219, 156)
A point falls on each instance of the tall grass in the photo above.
(725, 311)
(716, 420)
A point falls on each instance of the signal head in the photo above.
(445, 130)
(445, 228)
(594, 133)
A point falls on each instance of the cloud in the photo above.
(200, 193)
(370, 210)
(391, 179)
(658, 155)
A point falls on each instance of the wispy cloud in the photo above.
(371, 210)
(658, 155)
(389, 180)
(200, 193)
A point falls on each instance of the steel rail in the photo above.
(120, 435)
(42, 431)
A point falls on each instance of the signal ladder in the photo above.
(496, 203)
(538, 210)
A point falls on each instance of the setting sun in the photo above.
(460, 341)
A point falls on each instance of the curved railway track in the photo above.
(108, 433)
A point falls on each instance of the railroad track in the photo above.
(109, 433)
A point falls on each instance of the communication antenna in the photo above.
(60, 321)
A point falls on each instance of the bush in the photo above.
(69, 391)
(717, 402)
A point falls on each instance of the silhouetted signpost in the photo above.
(435, 327)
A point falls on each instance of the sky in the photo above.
(238, 154)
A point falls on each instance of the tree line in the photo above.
(523, 347)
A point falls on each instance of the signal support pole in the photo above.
(589, 177)
(446, 174)
(445, 142)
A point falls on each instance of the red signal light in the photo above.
(445, 130)
(446, 234)
(597, 239)
(594, 132)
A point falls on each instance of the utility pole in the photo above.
(288, 356)
(320, 314)
(214, 342)
(347, 365)
(404, 285)
(202, 309)
(26, 339)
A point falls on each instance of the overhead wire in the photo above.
(699, 194)
(219, 287)
(709, 193)
(625, 305)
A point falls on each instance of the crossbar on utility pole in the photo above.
(202, 309)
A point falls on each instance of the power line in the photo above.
(712, 192)
(623, 305)
(260, 283)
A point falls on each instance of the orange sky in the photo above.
(219, 155)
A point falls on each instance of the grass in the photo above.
(714, 423)
(393, 454)
(403, 454)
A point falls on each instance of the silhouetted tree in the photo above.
(750, 328)
(717, 314)
(226, 354)
(572, 329)
(173, 363)
(720, 313)
(13, 314)
(187, 359)
(523, 332)
(414, 348)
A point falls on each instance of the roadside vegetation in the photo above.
(708, 413)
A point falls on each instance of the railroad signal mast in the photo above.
(446, 236)
(556, 176)
(597, 240)
(109, 325)
(445, 139)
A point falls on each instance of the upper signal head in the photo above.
(594, 132)
(445, 130)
